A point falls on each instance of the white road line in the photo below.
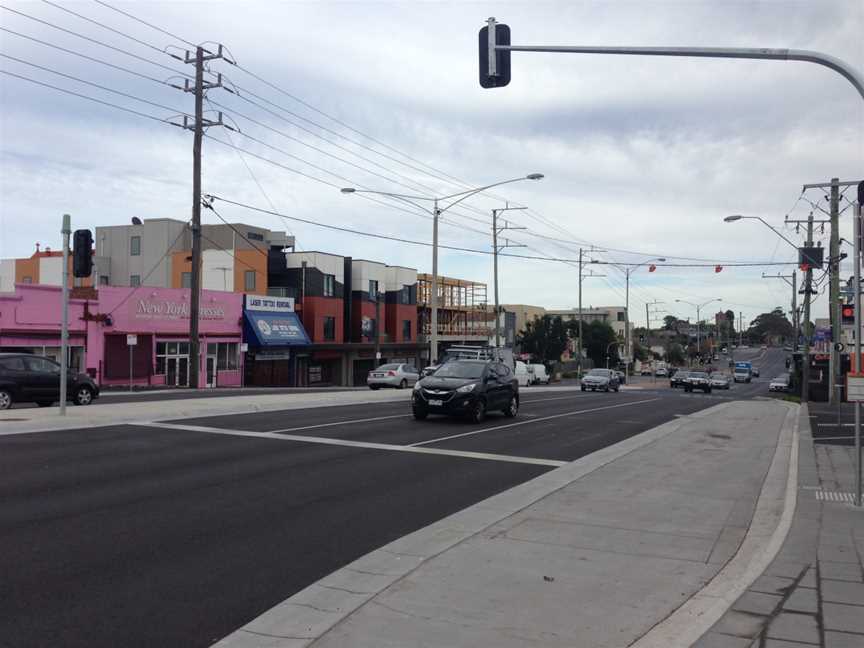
(835, 425)
(358, 444)
(346, 422)
(533, 420)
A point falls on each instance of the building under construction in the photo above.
(464, 314)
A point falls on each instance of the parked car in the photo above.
(662, 372)
(755, 372)
(538, 374)
(645, 371)
(780, 383)
(698, 380)
(522, 374)
(720, 381)
(468, 388)
(678, 379)
(393, 375)
(30, 378)
(622, 377)
(602, 379)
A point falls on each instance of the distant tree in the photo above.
(545, 338)
(640, 352)
(773, 324)
(670, 323)
(675, 354)
(599, 337)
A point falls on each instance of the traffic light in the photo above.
(847, 314)
(812, 257)
(82, 253)
(501, 36)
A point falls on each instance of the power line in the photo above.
(83, 96)
(85, 56)
(97, 42)
(144, 22)
(109, 28)
(95, 85)
(209, 206)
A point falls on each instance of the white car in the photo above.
(393, 375)
(522, 374)
(538, 374)
(780, 383)
(662, 373)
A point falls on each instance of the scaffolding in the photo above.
(463, 308)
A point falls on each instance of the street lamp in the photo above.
(627, 351)
(698, 308)
(436, 212)
(737, 217)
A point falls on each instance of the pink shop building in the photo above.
(99, 323)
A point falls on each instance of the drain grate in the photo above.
(835, 496)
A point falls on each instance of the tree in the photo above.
(675, 354)
(545, 338)
(670, 323)
(640, 352)
(599, 337)
(774, 324)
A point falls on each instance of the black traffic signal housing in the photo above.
(847, 314)
(82, 253)
(812, 257)
(502, 57)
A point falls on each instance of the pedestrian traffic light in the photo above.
(847, 314)
(499, 76)
(82, 253)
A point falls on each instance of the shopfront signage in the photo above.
(166, 309)
(131, 340)
(270, 304)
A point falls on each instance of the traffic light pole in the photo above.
(857, 361)
(66, 230)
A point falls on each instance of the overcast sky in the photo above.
(643, 157)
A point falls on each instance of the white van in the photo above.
(538, 374)
(522, 374)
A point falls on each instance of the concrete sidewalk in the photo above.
(646, 542)
(812, 594)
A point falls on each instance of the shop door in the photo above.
(211, 371)
(171, 371)
(183, 371)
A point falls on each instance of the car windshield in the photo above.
(388, 367)
(461, 370)
(603, 373)
(698, 374)
(782, 378)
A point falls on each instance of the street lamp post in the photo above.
(627, 351)
(436, 212)
(698, 308)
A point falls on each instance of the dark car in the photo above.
(678, 379)
(31, 378)
(602, 379)
(698, 380)
(468, 388)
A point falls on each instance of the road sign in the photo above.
(497, 75)
(839, 346)
(131, 339)
(377, 355)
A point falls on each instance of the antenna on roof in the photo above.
(136, 221)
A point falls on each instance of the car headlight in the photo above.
(467, 388)
(417, 386)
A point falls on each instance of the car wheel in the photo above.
(617, 389)
(83, 396)
(420, 413)
(403, 384)
(44, 403)
(478, 412)
(5, 399)
(374, 387)
(606, 389)
(512, 408)
(584, 388)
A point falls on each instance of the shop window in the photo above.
(186, 280)
(406, 329)
(329, 285)
(226, 356)
(620, 316)
(329, 328)
(135, 280)
(249, 280)
(183, 348)
(212, 348)
(103, 280)
(135, 246)
(171, 348)
(373, 290)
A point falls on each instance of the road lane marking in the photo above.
(533, 420)
(346, 422)
(358, 444)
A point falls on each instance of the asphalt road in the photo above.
(176, 535)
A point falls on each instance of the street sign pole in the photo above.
(66, 230)
(131, 341)
(857, 363)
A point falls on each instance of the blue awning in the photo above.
(275, 329)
